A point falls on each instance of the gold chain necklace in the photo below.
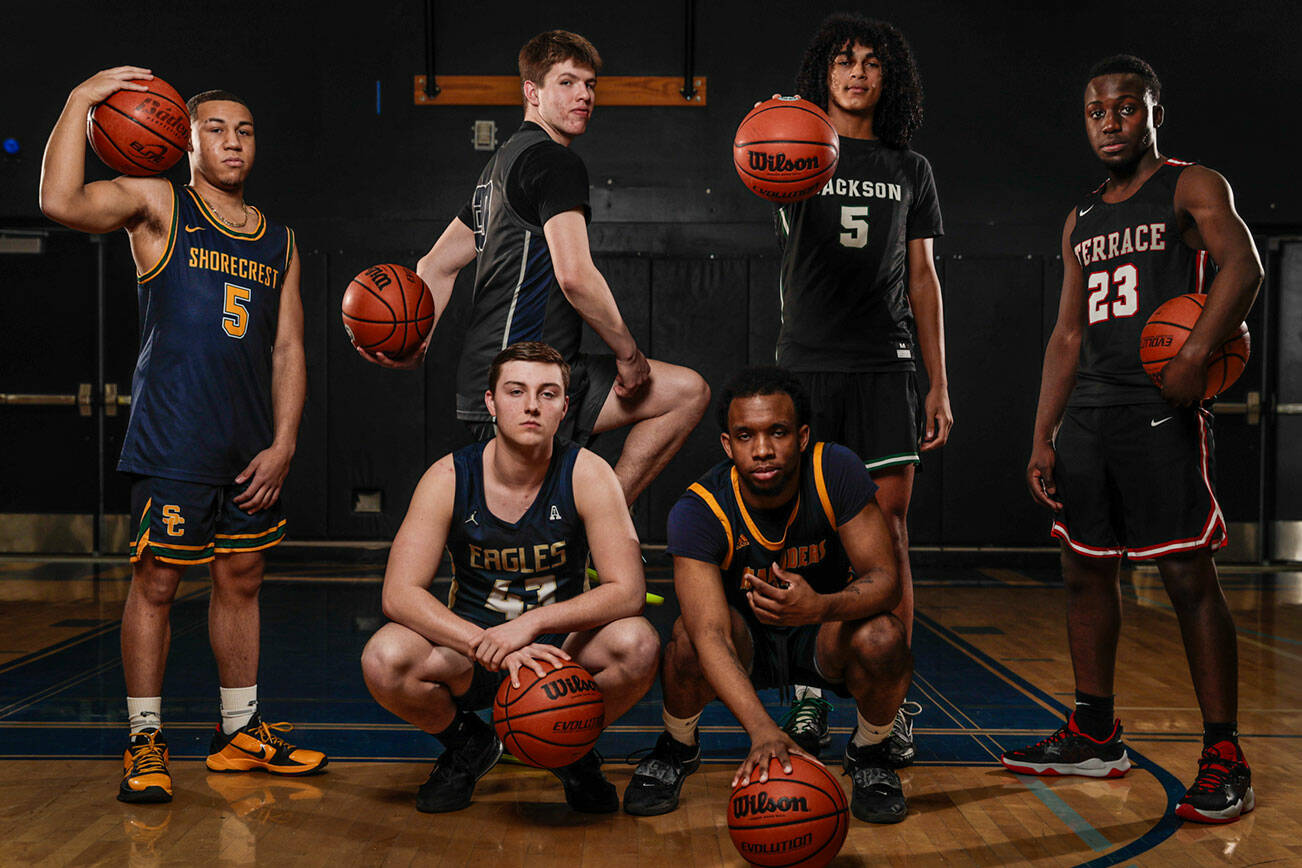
(219, 216)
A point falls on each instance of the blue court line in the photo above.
(1065, 812)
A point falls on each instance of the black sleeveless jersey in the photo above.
(201, 394)
(844, 279)
(517, 297)
(801, 537)
(501, 569)
(1132, 259)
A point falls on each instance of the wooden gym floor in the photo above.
(992, 673)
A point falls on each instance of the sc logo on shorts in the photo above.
(172, 518)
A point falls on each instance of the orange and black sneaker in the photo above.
(145, 777)
(256, 747)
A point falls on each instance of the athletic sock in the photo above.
(458, 732)
(804, 691)
(239, 704)
(1215, 733)
(1094, 715)
(144, 712)
(683, 729)
(870, 733)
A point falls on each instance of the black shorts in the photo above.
(591, 379)
(876, 415)
(1136, 479)
(484, 684)
(191, 522)
(786, 657)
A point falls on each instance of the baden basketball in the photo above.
(1168, 328)
(785, 149)
(795, 819)
(388, 309)
(140, 132)
(551, 721)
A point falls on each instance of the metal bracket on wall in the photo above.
(1249, 407)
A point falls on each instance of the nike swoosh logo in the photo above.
(1080, 213)
(1155, 422)
(193, 228)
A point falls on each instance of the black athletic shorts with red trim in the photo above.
(191, 522)
(876, 414)
(1136, 479)
(591, 379)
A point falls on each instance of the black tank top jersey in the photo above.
(802, 538)
(517, 297)
(844, 278)
(501, 569)
(201, 394)
(1132, 259)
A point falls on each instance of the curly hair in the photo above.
(763, 380)
(899, 112)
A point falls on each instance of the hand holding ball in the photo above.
(786, 149)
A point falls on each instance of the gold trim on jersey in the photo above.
(289, 248)
(821, 484)
(699, 490)
(750, 524)
(222, 227)
(171, 242)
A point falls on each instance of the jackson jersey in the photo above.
(201, 393)
(712, 523)
(517, 297)
(501, 569)
(1132, 259)
(844, 278)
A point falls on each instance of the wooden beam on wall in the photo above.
(623, 90)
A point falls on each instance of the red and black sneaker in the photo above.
(1222, 792)
(1071, 752)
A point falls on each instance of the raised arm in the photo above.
(929, 314)
(587, 290)
(101, 206)
(1207, 200)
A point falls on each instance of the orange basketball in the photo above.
(388, 309)
(140, 132)
(551, 721)
(795, 819)
(786, 149)
(1167, 330)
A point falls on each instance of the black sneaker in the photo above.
(876, 795)
(806, 723)
(899, 744)
(586, 788)
(452, 782)
(1222, 792)
(1071, 752)
(658, 778)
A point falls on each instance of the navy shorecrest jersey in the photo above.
(844, 279)
(711, 522)
(517, 296)
(201, 393)
(1132, 259)
(502, 569)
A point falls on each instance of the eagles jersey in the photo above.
(1132, 259)
(501, 569)
(517, 297)
(711, 522)
(844, 279)
(201, 393)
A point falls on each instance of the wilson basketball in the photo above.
(795, 819)
(785, 149)
(1167, 330)
(388, 309)
(551, 721)
(140, 132)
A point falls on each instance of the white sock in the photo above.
(145, 712)
(239, 704)
(871, 733)
(683, 729)
(804, 692)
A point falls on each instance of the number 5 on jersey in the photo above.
(854, 225)
(235, 316)
(1125, 278)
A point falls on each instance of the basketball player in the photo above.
(535, 279)
(519, 514)
(763, 546)
(857, 276)
(216, 400)
(1126, 466)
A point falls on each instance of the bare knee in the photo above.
(1189, 580)
(880, 646)
(696, 393)
(238, 575)
(1082, 575)
(636, 648)
(385, 664)
(155, 582)
(680, 655)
